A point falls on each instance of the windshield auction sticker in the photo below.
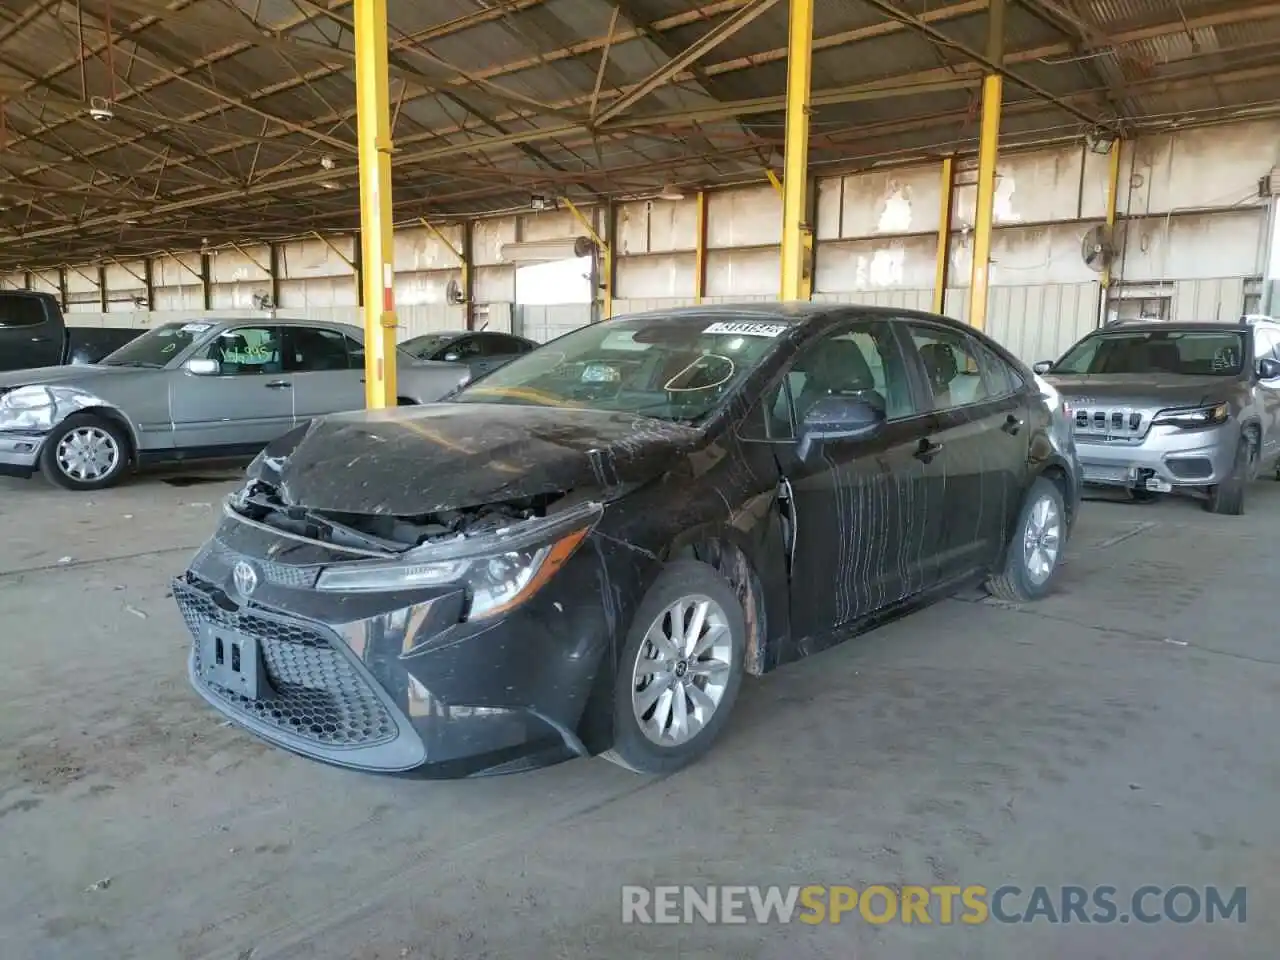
(747, 329)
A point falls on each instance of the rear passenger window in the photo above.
(1002, 378)
(952, 365)
(20, 311)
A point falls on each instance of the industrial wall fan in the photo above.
(1097, 248)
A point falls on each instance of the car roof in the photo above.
(1179, 326)
(796, 312)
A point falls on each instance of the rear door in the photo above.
(29, 337)
(866, 514)
(980, 425)
(247, 404)
(326, 368)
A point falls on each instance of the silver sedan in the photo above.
(192, 390)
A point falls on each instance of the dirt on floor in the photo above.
(1119, 733)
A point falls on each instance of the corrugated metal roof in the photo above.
(211, 106)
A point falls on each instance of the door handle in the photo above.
(279, 385)
(927, 450)
(39, 339)
(1011, 425)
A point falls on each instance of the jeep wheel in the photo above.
(1227, 497)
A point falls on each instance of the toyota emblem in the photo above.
(245, 578)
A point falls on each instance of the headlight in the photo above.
(1195, 416)
(495, 583)
(26, 408)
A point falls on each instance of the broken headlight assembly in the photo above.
(26, 408)
(499, 571)
(1191, 417)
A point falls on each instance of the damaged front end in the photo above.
(499, 553)
(393, 643)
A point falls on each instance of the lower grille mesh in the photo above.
(317, 693)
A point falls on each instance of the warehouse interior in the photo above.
(1034, 168)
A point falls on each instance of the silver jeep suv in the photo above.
(1188, 407)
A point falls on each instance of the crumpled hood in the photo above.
(48, 376)
(1169, 390)
(412, 461)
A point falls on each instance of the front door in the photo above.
(326, 369)
(245, 405)
(1267, 392)
(980, 422)
(866, 514)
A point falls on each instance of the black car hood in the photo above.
(412, 461)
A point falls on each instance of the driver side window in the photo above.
(245, 351)
(859, 359)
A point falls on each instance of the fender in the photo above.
(65, 401)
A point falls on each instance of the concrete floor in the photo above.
(1122, 732)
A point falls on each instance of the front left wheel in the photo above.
(85, 452)
(680, 671)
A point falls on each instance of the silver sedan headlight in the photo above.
(27, 408)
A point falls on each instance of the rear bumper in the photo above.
(19, 454)
(1199, 459)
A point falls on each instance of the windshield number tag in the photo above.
(747, 329)
(195, 327)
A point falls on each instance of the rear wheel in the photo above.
(680, 671)
(1227, 497)
(85, 452)
(1035, 551)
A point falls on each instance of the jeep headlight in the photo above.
(495, 582)
(1194, 416)
(26, 408)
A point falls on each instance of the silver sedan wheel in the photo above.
(682, 670)
(1042, 539)
(87, 453)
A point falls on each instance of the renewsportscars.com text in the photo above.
(935, 904)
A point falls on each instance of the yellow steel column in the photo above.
(1113, 190)
(942, 266)
(988, 149)
(700, 248)
(795, 172)
(373, 120)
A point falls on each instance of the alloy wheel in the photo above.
(87, 453)
(682, 670)
(1042, 539)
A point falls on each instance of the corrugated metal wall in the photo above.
(1191, 230)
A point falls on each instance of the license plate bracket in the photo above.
(233, 661)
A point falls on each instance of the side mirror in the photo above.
(1043, 366)
(1268, 369)
(203, 367)
(839, 418)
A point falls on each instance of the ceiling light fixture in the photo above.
(671, 192)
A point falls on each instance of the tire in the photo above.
(1227, 497)
(1038, 540)
(80, 435)
(645, 728)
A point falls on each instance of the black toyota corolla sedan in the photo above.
(585, 550)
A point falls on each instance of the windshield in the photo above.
(427, 344)
(157, 347)
(1185, 353)
(672, 368)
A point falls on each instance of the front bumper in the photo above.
(1168, 458)
(19, 453)
(393, 682)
